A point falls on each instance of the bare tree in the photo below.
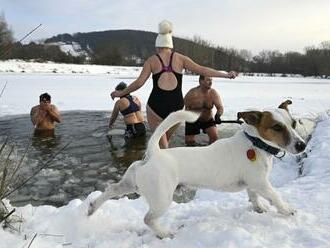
(6, 35)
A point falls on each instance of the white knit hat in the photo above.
(164, 37)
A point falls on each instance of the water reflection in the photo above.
(126, 151)
(45, 141)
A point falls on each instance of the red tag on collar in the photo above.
(251, 154)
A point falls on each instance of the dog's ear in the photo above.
(284, 105)
(250, 117)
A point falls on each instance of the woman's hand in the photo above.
(232, 74)
(115, 94)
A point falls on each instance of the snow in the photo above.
(19, 66)
(212, 219)
(72, 48)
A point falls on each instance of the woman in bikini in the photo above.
(166, 67)
(130, 107)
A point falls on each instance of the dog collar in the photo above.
(262, 145)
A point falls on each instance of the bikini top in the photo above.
(132, 107)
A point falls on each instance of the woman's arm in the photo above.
(114, 114)
(206, 71)
(138, 83)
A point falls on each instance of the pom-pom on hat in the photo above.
(164, 37)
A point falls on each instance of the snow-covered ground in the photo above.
(20, 66)
(212, 219)
(90, 88)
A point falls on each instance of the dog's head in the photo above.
(276, 126)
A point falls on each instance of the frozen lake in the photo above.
(92, 159)
(211, 219)
(91, 92)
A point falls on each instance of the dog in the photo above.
(241, 162)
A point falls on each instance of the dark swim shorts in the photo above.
(135, 130)
(194, 128)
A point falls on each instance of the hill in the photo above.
(132, 47)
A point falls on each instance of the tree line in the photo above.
(10, 49)
(131, 48)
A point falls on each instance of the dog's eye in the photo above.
(277, 128)
(294, 124)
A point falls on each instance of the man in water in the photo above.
(44, 115)
(130, 107)
(202, 99)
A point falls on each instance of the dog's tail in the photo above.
(166, 124)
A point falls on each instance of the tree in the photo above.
(107, 55)
(6, 36)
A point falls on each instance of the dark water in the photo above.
(91, 161)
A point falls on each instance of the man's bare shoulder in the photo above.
(34, 108)
(193, 91)
(53, 107)
(214, 92)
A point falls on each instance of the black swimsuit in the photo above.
(164, 102)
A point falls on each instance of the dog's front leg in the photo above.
(151, 219)
(256, 204)
(267, 191)
(94, 205)
(117, 189)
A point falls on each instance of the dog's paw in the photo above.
(91, 209)
(287, 210)
(259, 209)
(164, 235)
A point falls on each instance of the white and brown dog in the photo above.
(241, 162)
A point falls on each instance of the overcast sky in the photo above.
(255, 25)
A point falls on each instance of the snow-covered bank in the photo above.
(20, 66)
(213, 219)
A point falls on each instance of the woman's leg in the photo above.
(153, 121)
(170, 132)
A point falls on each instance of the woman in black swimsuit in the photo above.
(166, 68)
